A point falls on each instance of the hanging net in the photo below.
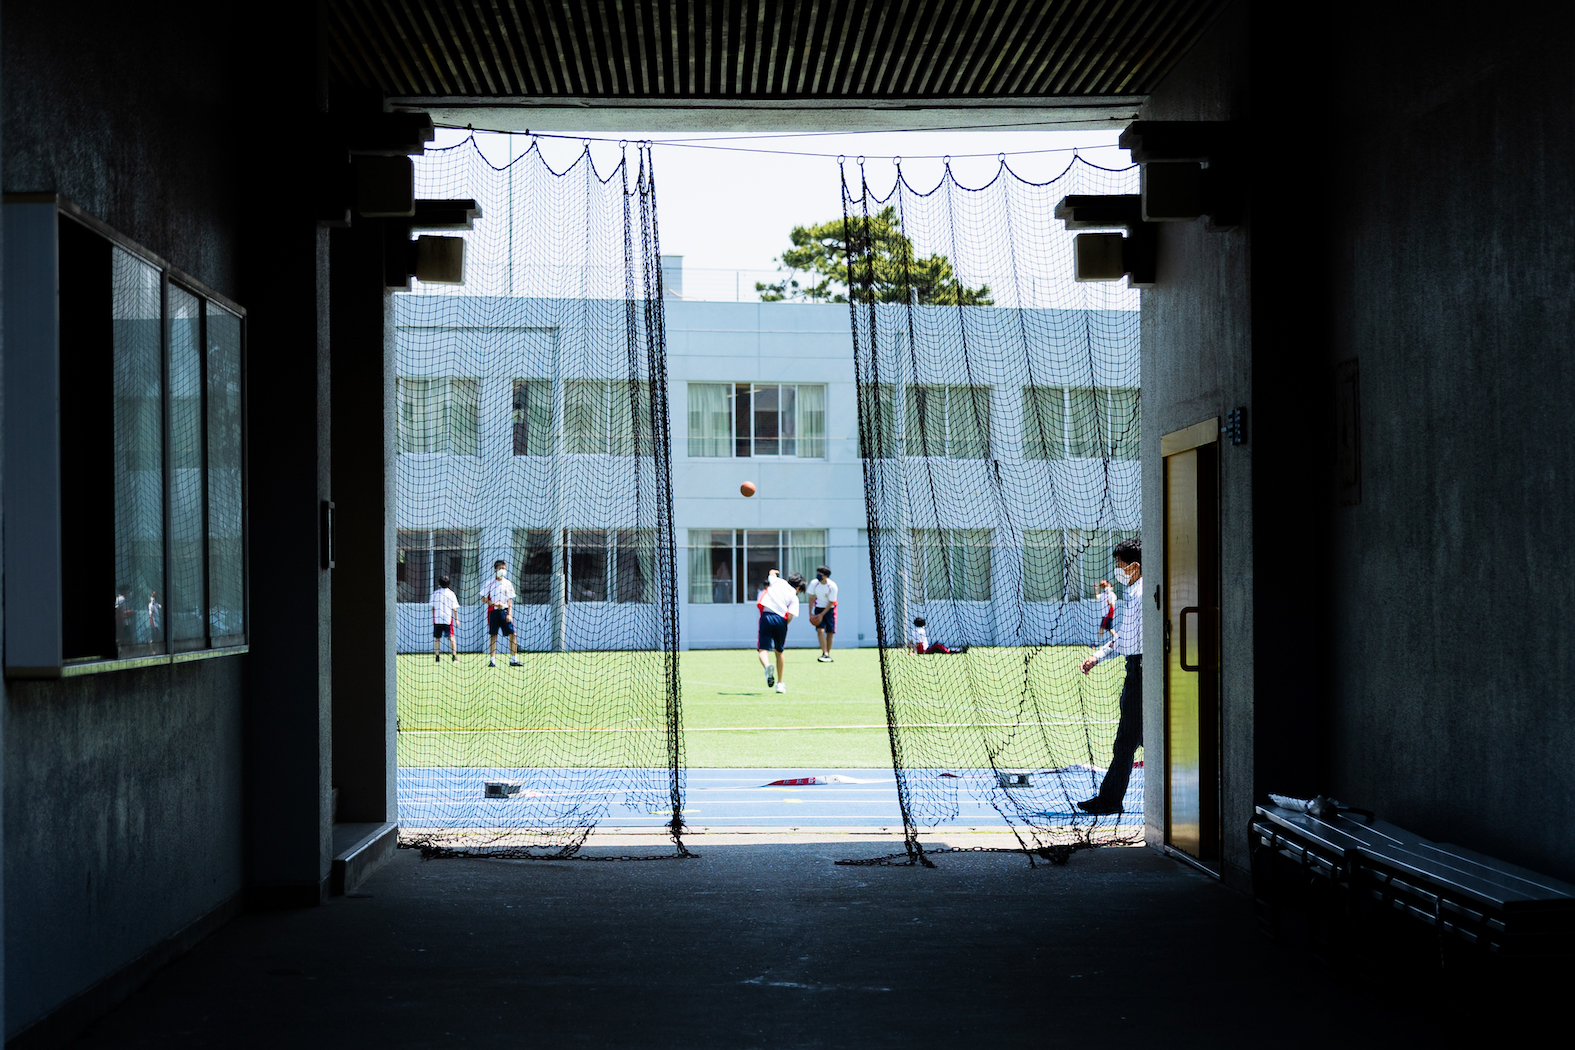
(999, 421)
(533, 431)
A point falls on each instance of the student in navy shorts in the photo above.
(778, 604)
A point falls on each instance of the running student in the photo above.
(823, 610)
(922, 644)
(444, 606)
(1107, 598)
(499, 596)
(1128, 642)
(778, 604)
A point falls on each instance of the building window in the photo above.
(1083, 422)
(616, 565)
(424, 555)
(226, 517)
(532, 566)
(878, 421)
(952, 422)
(720, 558)
(438, 415)
(951, 565)
(532, 417)
(1067, 564)
(757, 419)
(607, 417)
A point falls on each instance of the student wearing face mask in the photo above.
(499, 596)
(1128, 642)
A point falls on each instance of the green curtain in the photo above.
(1044, 422)
(710, 420)
(1044, 566)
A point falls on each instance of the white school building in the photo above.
(497, 462)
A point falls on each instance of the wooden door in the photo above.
(1190, 601)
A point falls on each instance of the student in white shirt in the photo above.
(444, 606)
(778, 604)
(823, 610)
(1128, 642)
(922, 645)
(1107, 599)
(498, 593)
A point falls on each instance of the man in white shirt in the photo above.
(823, 610)
(778, 604)
(1128, 642)
(498, 593)
(444, 606)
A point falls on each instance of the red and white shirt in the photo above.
(444, 606)
(778, 597)
(822, 595)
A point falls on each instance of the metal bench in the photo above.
(1356, 879)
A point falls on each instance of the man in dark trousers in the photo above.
(1128, 642)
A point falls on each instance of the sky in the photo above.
(727, 210)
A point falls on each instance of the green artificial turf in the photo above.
(572, 709)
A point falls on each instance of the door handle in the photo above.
(1183, 654)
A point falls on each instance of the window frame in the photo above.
(738, 559)
(34, 231)
(736, 409)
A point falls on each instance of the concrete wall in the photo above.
(1408, 204)
(1451, 256)
(122, 820)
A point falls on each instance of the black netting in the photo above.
(1001, 465)
(533, 429)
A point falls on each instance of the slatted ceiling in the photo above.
(761, 48)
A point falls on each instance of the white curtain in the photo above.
(812, 422)
(699, 554)
(710, 421)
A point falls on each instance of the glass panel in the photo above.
(188, 604)
(722, 560)
(533, 566)
(812, 422)
(139, 454)
(1044, 567)
(417, 422)
(588, 565)
(1088, 431)
(585, 415)
(461, 409)
(456, 554)
(1044, 422)
(762, 553)
(973, 548)
(1126, 408)
(630, 417)
(226, 516)
(968, 422)
(767, 419)
(1088, 563)
(413, 567)
(788, 417)
(880, 420)
(699, 555)
(710, 422)
(925, 427)
(742, 434)
(532, 417)
(635, 564)
(806, 552)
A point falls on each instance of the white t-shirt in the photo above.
(778, 597)
(497, 593)
(444, 605)
(918, 637)
(822, 594)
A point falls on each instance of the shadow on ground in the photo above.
(756, 946)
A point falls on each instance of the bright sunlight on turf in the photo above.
(832, 716)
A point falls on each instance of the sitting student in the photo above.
(921, 644)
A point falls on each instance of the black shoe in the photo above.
(436, 658)
(1100, 808)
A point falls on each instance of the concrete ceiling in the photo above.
(747, 64)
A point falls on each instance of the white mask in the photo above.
(1121, 574)
(502, 573)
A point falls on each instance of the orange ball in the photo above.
(747, 488)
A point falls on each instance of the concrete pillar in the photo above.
(363, 438)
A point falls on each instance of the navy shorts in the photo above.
(498, 621)
(773, 631)
(441, 630)
(828, 619)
